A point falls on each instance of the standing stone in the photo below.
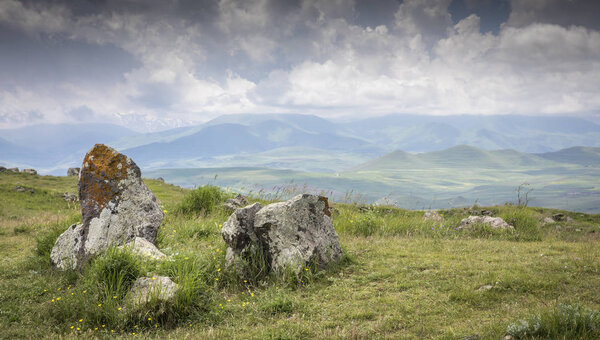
(238, 233)
(291, 234)
(297, 232)
(29, 171)
(73, 171)
(116, 206)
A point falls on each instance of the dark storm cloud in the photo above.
(187, 61)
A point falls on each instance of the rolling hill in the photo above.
(458, 176)
(311, 143)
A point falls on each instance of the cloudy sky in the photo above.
(166, 63)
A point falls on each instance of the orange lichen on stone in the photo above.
(326, 208)
(103, 168)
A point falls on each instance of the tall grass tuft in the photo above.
(202, 200)
(563, 322)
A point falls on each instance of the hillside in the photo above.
(241, 140)
(405, 277)
(455, 177)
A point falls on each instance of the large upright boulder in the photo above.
(116, 207)
(293, 234)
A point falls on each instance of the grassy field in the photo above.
(403, 277)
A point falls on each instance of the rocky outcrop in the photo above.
(73, 171)
(116, 206)
(142, 247)
(292, 234)
(13, 169)
(235, 203)
(492, 222)
(2, 169)
(160, 179)
(29, 171)
(146, 289)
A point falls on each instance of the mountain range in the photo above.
(292, 141)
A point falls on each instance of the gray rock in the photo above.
(238, 233)
(432, 216)
(116, 206)
(146, 289)
(493, 222)
(558, 217)
(23, 189)
(547, 220)
(160, 179)
(471, 337)
(142, 247)
(73, 171)
(29, 171)
(292, 234)
(13, 169)
(2, 169)
(70, 197)
(297, 232)
(235, 203)
(485, 287)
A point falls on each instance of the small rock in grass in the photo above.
(433, 216)
(146, 289)
(547, 220)
(493, 222)
(471, 337)
(485, 287)
(70, 197)
(23, 189)
(142, 247)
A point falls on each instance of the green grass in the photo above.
(403, 277)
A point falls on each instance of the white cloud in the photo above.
(268, 56)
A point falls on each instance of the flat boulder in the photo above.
(492, 222)
(29, 171)
(116, 207)
(155, 288)
(73, 171)
(13, 169)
